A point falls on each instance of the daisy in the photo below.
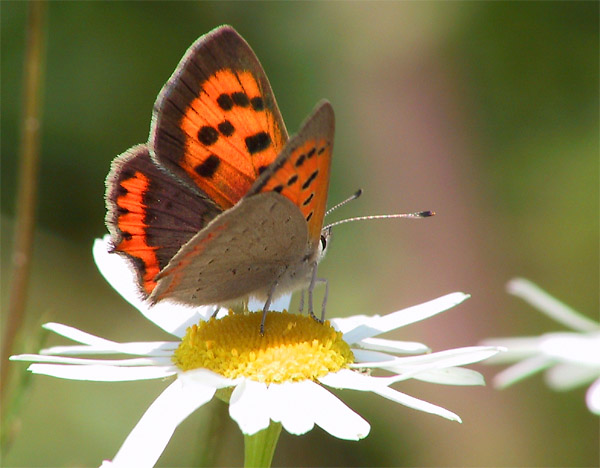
(280, 378)
(571, 359)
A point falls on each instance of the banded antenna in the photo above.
(358, 193)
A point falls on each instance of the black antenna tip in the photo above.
(426, 214)
(358, 193)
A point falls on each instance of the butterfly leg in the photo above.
(301, 304)
(266, 307)
(323, 280)
(313, 282)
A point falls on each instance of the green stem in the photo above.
(260, 447)
(28, 171)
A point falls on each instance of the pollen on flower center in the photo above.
(294, 347)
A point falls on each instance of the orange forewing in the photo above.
(304, 179)
(212, 131)
(216, 123)
(301, 172)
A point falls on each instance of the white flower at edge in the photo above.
(298, 405)
(571, 359)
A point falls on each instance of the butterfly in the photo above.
(220, 204)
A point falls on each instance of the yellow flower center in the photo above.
(294, 347)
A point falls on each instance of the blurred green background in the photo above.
(486, 112)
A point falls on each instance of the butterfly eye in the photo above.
(323, 243)
(325, 235)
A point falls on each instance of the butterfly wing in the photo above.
(149, 214)
(216, 123)
(241, 253)
(301, 172)
(267, 237)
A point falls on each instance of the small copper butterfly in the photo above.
(220, 205)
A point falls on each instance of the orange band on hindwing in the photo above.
(150, 217)
(133, 228)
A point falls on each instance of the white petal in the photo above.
(592, 397)
(447, 376)
(521, 370)
(333, 416)
(149, 348)
(516, 348)
(577, 348)
(549, 305)
(171, 317)
(409, 367)
(279, 304)
(356, 381)
(287, 405)
(104, 362)
(393, 346)
(415, 403)
(146, 442)
(205, 377)
(442, 359)
(353, 380)
(75, 334)
(451, 376)
(102, 373)
(367, 358)
(381, 324)
(348, 379)
(567, 376)
(248, 406)
(345, 324)
(96, 345)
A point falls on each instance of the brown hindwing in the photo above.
(149, 214)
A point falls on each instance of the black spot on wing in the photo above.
(258, 142)
(240, 99)
(226, 128)
(208, 167)
(207, 135)
(310, 180)
(225, 102)
(257, 103)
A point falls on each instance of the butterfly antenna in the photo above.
(354, 196)
(417, 215)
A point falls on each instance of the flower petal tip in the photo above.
(459, 296)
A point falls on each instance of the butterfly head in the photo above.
(323, 242)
